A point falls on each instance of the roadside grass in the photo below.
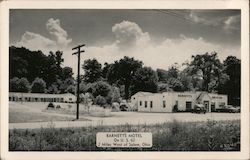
(170, 136)
(20, 116)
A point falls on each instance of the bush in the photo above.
(19, 85)
(38, 86)
(100, 100)
(100, 88)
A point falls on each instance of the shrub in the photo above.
(38, 86)
(100, 100)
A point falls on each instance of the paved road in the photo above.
(135, 118)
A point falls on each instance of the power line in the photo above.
(171, 13)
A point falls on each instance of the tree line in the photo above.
(33, 71)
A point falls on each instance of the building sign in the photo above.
(184, 95)
(215, 97)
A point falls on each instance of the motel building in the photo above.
(185, 101)
(41, 97)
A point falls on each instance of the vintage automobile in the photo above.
(199, 108)
(124, 106)
(228, 109)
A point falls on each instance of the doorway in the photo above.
(206, 104)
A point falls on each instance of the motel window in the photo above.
(151, 104)
(140, 103)
(61, 99)
(70, 99)
(146, 104)
(9, 98)
(221, 104)
(164, 104)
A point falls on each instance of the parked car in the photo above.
(199, 108)
(238, 108)
(51, 105)
(232, 109)
(228, 109)
(124, 106)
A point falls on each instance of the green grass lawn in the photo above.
(170, 136)
(18, 116)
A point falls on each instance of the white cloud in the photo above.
(35, 41)
(129, 34)
(215, 18)
(155, 55)
(232, 22)
(54, 28)
(131, 41)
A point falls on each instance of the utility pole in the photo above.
(78, 52)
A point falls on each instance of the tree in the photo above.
(67, 72)
(186, 81)
(93, 70)
(23, 85)
(115, 95)
(84, 88)
(105, 70)
(122, 72)
(38, 86)
(162, 75)
(65, 84)
(19, 85)
(163, 87)
(175, 84)
(145, 79)
(14, 83)
(233, 85)
(71, 89)
(100, 88)
(173, 72)
(53, 89)
(100, 100)
(209, 66)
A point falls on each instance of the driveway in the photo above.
(133, 118)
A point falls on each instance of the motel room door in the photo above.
(206, 104)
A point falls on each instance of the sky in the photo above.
(159, 38)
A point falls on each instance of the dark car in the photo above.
(199, 108)
(124, 106)
(51, 105)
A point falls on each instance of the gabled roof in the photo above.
(202, 94)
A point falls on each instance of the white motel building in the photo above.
(185, 101)
(42, 97)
